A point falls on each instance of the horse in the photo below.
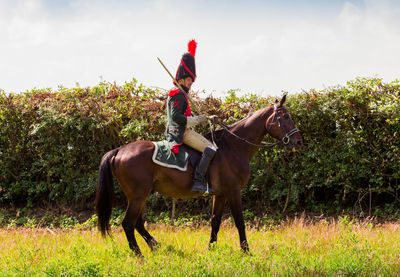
(229, 172)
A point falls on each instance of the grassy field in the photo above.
(326, 247)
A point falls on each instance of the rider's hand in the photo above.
(194, 120)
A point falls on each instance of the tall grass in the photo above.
(335, 247)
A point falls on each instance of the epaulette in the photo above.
(174, 91)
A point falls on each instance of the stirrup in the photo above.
(209, 191)
(206, 192)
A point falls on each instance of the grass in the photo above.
(327, 247)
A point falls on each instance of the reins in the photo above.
(285, 136)
(226, 128)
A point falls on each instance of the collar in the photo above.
(185, 88)
(176, 90)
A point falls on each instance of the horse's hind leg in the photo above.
(150, 240)
(129, 222)
(218, 208)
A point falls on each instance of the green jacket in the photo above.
(178, 108)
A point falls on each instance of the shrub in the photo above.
(51, 143)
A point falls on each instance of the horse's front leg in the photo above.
(218, 208)
(235, 202)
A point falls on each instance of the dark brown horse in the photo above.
(229, 172)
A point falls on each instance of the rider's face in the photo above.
(187, 82)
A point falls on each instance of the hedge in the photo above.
(51, 143)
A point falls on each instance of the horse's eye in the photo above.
(286, 116)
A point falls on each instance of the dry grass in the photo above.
(296, 247)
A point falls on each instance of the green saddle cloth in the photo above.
(165, 157)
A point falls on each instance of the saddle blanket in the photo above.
(163, 156)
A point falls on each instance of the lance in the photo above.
(179, 86)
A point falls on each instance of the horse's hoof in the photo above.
(137, 252)
(246, 251)
(138, 255)
(154, 245)
(245, 247)
(212, 245)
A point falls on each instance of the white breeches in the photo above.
(197, 141)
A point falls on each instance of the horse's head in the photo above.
(281, 126)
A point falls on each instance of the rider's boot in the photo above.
(199, 182)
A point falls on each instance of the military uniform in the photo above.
(178, 109)
(180, 119)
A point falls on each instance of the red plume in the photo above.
(192, 47)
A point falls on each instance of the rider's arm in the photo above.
(192, 121)
(178, 107)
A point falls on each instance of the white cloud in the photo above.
(252, 46)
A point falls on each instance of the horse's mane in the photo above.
(234, 124)
(219, 134)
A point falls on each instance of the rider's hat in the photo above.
(187, 66)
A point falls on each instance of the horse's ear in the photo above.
(276, 101)
(283, 100)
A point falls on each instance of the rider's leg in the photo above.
(200, 143)
(199, 181)
(196, 141)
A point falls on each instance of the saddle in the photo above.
(165, 157)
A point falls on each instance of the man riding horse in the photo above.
(138, 174)
(180, 119)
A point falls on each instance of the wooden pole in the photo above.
(173, 211)
(179, 86)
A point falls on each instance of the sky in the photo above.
(261, 47)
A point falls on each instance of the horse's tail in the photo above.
(105, 193)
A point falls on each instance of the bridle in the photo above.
(285, 136)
